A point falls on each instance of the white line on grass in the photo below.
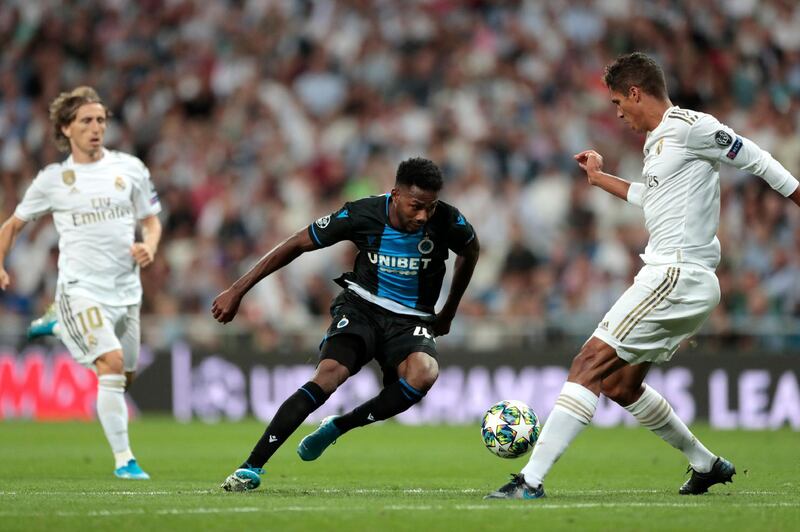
(528, 507)
(314, 491)
(107, 493)
(139, 511)
(354, 491)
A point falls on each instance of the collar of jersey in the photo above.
(71, 162)
(663, 117)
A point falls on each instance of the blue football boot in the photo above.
(131, 471)
(243, 479)
(517, 489)
(313, 445)
(44, 325)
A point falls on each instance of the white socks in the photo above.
(574, 410)
(655, 413)
(113, 414)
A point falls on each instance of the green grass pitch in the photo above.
(57, 477)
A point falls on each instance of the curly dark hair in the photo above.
(420, 172)
(636, 69)
(64, 108)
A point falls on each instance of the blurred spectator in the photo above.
(257, 117)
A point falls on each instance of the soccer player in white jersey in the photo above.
(96, 196)
(675, 291)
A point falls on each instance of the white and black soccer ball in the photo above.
(510, 429)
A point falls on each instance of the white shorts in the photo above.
(90, 329)
(665, 305)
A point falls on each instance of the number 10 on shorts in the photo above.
(90, 319)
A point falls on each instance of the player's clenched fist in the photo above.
(4, 279)
(589, 160)
(142, 254)
(225, 306)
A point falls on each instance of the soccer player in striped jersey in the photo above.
(676, 289)
(384, 312)
(97, 198)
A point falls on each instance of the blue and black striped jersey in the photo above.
(407, 268)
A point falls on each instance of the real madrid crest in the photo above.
(68, 176)
(323, 222)
(660, 146)
(425, 245)
(119, 183)
(342, 322)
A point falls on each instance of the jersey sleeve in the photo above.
(636, 194)
(145, 197)
(709, 139)
(333, 228)
(460, 232)
(36, 202)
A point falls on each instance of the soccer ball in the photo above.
(509, 429)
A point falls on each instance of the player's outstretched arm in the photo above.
(227, 303)
(709, 139)
(8, 234)
(462, 273)
(591, 162)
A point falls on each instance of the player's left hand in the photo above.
(142, 254)
(442, 322)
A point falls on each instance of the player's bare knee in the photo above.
(620, 392)
(330, 375)
(595, 361)
(424, 380)
(110, 363)
(421, 371)
(586, 364)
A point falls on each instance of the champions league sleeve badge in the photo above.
(425, 245)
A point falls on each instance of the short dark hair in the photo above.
(636, 69)
(420, 172)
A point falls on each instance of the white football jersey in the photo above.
(95, 209)
(680, 193)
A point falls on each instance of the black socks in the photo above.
(289, 416)
(394, 399)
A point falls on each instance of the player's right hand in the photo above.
(5, 280)
(590, 161)
(225, 306)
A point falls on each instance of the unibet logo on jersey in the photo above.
(399, 265)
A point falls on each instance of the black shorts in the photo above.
(387, 337)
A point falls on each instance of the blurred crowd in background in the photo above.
(256, 117)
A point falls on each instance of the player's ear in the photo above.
(65, 131)
(635, 94)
